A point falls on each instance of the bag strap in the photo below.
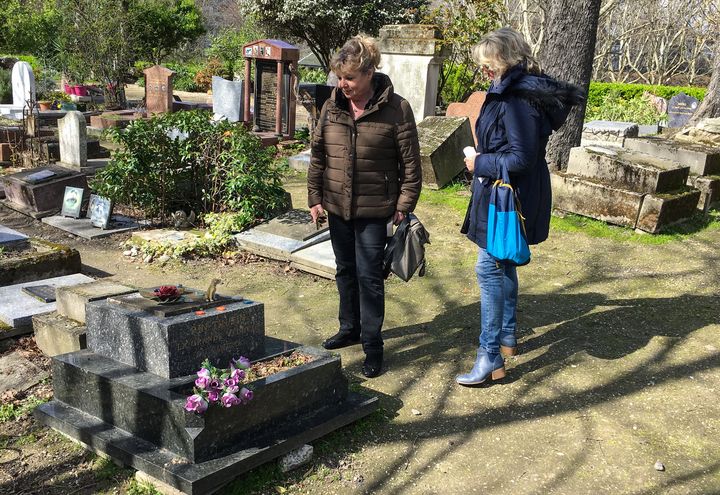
(400, 233)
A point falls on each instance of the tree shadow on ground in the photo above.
(608, 329)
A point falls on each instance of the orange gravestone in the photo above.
(470, 109)
(158, 89)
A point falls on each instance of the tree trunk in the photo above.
(567, 54)
(710, 106)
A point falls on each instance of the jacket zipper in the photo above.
(387, 186)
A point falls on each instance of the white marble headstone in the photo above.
(23, 84)
(73, 140)
(227, 98)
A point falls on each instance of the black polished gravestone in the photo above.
(106, 397)
(680, 109)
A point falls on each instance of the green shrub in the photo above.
(184, 161)
(308, 75)
(461, 81)
(615, 106)
(5, 86)
(184, 79)
(599, 90)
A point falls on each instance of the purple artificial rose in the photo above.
(196, 404)
(238, 374)
(202, 382)
(230, 382)
(203, 373)
(213, 395)
(242, 362)
(232, 390)
(214, 383)
(229, 400)
(246, 394)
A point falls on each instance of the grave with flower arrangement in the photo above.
(136, 394)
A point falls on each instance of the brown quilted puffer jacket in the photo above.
(369, 167)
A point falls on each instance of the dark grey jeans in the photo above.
(359, 245)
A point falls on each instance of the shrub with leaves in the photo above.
(184, 161)
(618, 108)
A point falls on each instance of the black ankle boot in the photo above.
(340, 340)
(373, 364)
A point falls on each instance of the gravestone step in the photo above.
(631, 170)
(156, 413)
(71, 300)
(702, 160)
(57, 334)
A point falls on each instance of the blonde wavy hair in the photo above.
(359, 53)
(502, 49)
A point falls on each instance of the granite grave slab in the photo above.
(702, 160)
(17, 308)
(17, 373)
(318, 259)
(608, 132)
(227, 98)
(39, 192)
(83, 227)
(10, 238)
(173, 346)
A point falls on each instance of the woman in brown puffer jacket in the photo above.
(365, 172)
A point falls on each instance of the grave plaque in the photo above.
(266, 99)
(44, 293)
(158, 89)
(680, 109)
(72, 202)
(99, 211)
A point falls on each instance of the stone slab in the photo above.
(10, 238)
(275, 246)
(318, 259)
(18, 308)
(71, 300)
(17, 373)
(605, 132)
(702, 160)
(56, 334)
(680, 109)
(301, 161)
(82, 227)
(44, 260)
(294, 224)
(442, 140)
(172, 237)
(227, 98)
(174, 346)
(193, 300)
(596, 200)
(661, 211)
(629, 170)
(206, 477)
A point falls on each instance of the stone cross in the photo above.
(73, 140)
(23, 84)
(158, 89)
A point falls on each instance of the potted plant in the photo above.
(45, 88)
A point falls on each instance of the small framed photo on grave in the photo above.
(99, 211)
(72, 202)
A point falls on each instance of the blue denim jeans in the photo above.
(498, 302)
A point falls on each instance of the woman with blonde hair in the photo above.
(365, 173)
(522, 108)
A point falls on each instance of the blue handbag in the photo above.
(506, 236)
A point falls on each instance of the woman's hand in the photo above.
(316, 212)
(470, 162)
(399, 217)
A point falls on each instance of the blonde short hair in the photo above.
(359, 53)
(502, 49)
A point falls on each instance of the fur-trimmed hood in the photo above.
(552, 97)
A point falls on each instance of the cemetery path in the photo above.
(619, 368)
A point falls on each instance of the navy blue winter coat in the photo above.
(516, 120)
